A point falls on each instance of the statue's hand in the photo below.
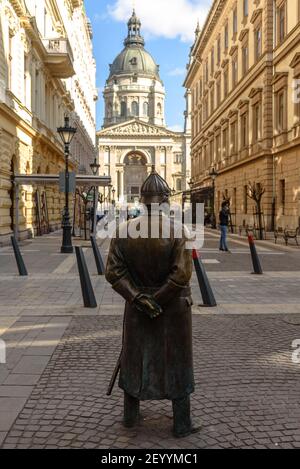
(146, 304)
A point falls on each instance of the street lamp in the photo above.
(94, 168)
(213, 174)
(66, 134)
(113, 193)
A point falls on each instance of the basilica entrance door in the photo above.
(134, 175)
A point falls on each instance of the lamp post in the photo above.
(94, 168)
(66, 134)
(213, 174)
(113, 193)
(109, 192)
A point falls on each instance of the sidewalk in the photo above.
(60, 355)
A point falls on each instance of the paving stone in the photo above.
(237, 386)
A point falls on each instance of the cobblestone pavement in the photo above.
(59, 355)
(247, 395)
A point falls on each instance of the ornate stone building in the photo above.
(244, 76)
(47, 69)
(134, 135)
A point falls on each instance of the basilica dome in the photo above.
(134, 58)
(134, 89)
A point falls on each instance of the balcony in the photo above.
(59, 57)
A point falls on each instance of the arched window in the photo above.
(123, 109)
(134, 109)
(146, 109)
(159, 109)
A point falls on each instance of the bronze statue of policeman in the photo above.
(153, 275)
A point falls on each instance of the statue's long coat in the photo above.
(156, 361)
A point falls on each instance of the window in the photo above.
(123, 109)
(234, 21)
(159, 109)
(206, 113)
(234, 70)
(109, 110)
(36, 92)
(233, 138)
(45, 22)
(146, 109)
(200, 118)
(219, 50)
(297, 100)
(212, 65)
(225, 82)
(256, 122)
(211, 150)
(244, 131)
(245, 8)
(10, 59)
(26, 80)
(212, 99)
(178, 158)
(206, 71)
(218, 147)
(245, 200)
(218, 92)
(281, 111)
(226, 37)
(225, 143)
(282, 195)
(257, 43)
(135, 108)
(281, 22)
(245, 57)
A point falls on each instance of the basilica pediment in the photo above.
(137, 129)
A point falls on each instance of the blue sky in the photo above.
(168, 27)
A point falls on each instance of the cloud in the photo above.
(164, 18)
(176, 72)
(176, 128)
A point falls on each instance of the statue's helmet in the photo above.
(155, 189)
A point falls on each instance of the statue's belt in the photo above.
(185, 292)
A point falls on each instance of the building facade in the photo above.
(47, 69)
(244, 75)
(134, 136)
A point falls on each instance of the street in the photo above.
(60, 356)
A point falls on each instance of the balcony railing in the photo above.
(59, 57)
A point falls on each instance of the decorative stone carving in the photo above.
(135, 128)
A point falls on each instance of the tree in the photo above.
(255, 193)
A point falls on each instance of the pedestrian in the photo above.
(224, 221)
(153, 275)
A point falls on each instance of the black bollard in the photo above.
(206, 290)
(85, 280)
(98, 257)
(254, 256)
(20, 262)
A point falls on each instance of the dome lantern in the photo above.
(134, 31)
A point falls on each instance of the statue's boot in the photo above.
(183, 425)
(131, 411)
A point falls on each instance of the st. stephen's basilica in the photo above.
(134, 136)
